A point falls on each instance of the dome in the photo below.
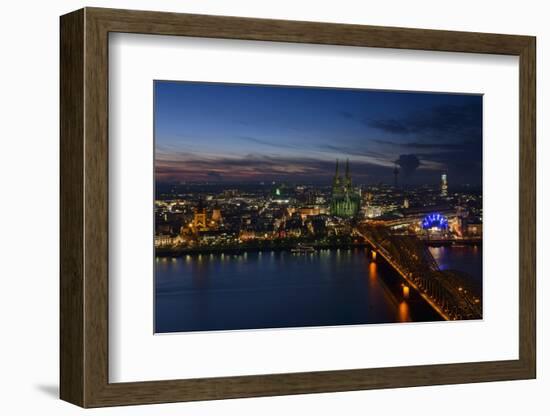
(435, 220)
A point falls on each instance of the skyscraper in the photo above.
(395, 176)
(444, 189)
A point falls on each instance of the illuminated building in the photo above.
(345, 201)
(368, 197)
(308, 211)
(444, 188)
(435, 222)
(406, 203)
(281, 193)
(165, 240)
(474, 229)
(373, 211)
(199, 218)
(216, 215)
(246, 235)
(320, 200)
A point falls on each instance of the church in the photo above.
(345, 201)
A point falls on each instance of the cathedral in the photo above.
(345, 201)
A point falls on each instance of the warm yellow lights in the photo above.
(404, 315)
(373, 272)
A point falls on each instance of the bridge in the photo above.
(448, 292)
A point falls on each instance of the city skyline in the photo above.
(232, 133)
(295, 206)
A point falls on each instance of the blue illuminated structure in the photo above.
(435, 220)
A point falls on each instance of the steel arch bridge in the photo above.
(448, 292)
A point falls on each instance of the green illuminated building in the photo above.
(345, 200)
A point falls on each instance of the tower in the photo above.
(444, 188)
(216, 220)
(337, 180)
(395, 175)
(347, 178)
(199, 217)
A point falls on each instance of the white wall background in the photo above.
(29, 85)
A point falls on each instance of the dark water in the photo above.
(463, 258)
(281, 289)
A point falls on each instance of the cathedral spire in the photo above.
(347, 180)
(336, 181)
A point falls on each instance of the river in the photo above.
(281, 290)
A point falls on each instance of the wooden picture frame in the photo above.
(84, 207)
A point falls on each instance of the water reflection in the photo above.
(404, 314)
(465, 258)
(373, 271)
(279, 289)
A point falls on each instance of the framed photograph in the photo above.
(257, 207)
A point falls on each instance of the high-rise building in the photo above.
(395, 176)
(444, 188)
(345, 201)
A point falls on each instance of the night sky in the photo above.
(230, 133)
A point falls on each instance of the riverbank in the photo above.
(179, 252)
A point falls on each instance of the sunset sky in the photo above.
(249, 133)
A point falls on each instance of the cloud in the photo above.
(215, 176)
(390, 126)
(373, 156)
(427, 146)
(330, 151)
(408, 163)
(419, 168)
(446, 137)
(465, 167)
(458, 160)
(440, 122)
(254, 167)
(264, 142)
